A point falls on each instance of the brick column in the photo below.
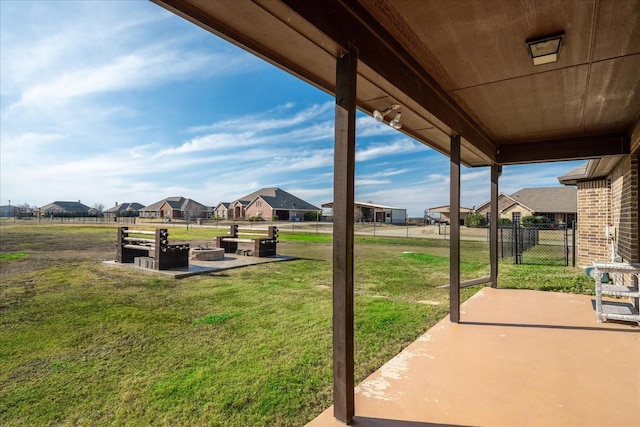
(593, 216)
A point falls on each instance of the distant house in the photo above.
(176, 208)
(558, 204)
(59, 208)
(221, 211)
(124, 210)
(8, 211)
(269, 203)
(445, 213)
(370, 212)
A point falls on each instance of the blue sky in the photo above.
(121, 101)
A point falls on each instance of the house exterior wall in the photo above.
(221, 212)
(594, 201)
(624, 207)
(259, 208)
(166, 211)
(503, 202)
(398, 216)
(508, 213)
(613, 200)
(236, 211)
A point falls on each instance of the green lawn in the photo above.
(83, 343)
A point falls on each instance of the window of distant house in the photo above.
(550, 216)
(515, 216)
(488, 217)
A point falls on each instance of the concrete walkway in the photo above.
(519, 358)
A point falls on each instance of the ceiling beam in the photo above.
(581, 148)
(348, 22)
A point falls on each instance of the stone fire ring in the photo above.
(207, 254)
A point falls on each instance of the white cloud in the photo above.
(276, 118)
(483, 175)
(389, 172)
(310, 160)
(362, 182)
(400, 146)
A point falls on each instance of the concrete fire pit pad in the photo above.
(204, 267)
(206, 254)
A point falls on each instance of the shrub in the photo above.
(504, 221)
(531, 221)
(475, 221)
(311, 216)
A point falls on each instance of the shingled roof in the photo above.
(178, 203)
(277, 198)
(548, 199)
(65, 207)
(125, 207)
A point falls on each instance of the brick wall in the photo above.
(613, 200)
(624, 207)
(262, 210)
(516, 208)
(593, 215)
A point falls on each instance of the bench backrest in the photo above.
(270, 233)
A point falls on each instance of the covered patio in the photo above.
(487, 83)
(520, 358)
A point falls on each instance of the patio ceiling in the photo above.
(461, 67)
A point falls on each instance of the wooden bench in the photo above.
(156, 253)
(251, 242)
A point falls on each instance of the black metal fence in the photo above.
(537, 245)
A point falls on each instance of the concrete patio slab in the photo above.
(204, 267)
(518, 358)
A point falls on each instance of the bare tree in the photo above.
(23, 210)
(99, 207)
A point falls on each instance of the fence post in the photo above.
(516, 241)
(573, 244)
(566, 247)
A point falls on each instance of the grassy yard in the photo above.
(83, 343)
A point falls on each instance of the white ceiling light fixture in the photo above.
(545, 50)
(380, 115)
(395, 123)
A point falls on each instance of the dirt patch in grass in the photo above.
(47, 246)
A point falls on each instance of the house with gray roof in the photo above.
(61, 208)
(176, 208)
(371, 212)
(268, 203)
(558, 204)
(123, 210)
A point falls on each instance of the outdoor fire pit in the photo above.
(207, 254)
